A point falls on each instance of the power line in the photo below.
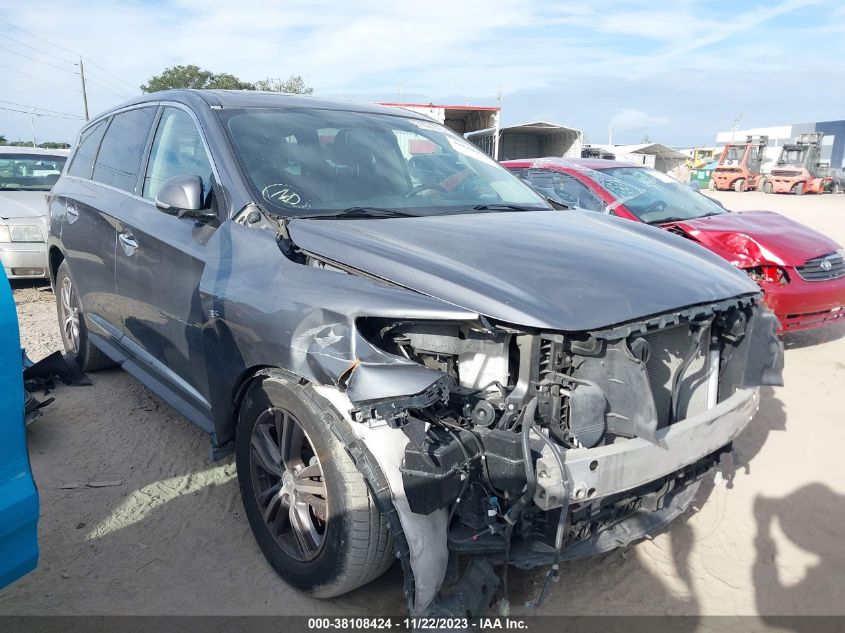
(135, 88)
(46, 81)
(105, 81)
(43, 52)
(23, 105)
(75, 53)
(9, 50)
(55, 116)
(107, 89)
(15, 26)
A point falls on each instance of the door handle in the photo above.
(72, 214)
(128, 242)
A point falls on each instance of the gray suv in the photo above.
(410, 353)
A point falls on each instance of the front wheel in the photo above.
(72, 324)
(767, 187)
(307, 504)
(799, 189)
(739, 185)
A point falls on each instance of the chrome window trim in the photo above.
(135, 106)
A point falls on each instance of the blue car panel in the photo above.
(18, 496)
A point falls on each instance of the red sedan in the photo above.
(801, 271)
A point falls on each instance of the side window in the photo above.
(565, 189)
(83, 158)
(177, 151)
(120, 153)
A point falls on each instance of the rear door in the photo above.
(104, 182)
(160, 259)
(86, 231)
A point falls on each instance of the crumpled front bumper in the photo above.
(599, 472)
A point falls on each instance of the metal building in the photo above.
(833, 143)
(529, 140)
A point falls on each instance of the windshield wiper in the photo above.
(671, 218)
(504, 207)
(361, 212)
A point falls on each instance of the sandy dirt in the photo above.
(172, 538)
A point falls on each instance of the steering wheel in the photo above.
(655, 207)
(425, 187)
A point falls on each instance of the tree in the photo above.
(3, 140)
(192, 76)
(294, 84)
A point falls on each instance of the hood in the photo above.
(23, 204)
(755, 237)
(570, 271)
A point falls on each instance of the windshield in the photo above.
(30, 172)
(734, 155)
(792, 155)
(323, 162)
(654, 197)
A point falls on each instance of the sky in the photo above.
(676, 71)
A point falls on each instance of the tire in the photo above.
(72, 325)
(767, 187)
(799, 189)
(836, 188)
(761, 185)
(739, 185)
(341, 541)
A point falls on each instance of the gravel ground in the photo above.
(171, 537)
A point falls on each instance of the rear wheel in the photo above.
(761, 184)
(767, 187)
(72, 324)
(837, 188)
(799, 189)
(739, 185)
(307, 504)
(712, 185)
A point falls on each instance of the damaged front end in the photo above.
(518, 447)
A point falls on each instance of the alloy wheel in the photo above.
(288, 482)
(70, 314)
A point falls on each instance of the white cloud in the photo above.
(440, 49)
(630, 119)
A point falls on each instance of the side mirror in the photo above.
(182, 196)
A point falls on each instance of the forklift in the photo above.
(700, 157)
(798, 169)
(740, 166)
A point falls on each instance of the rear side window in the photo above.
(177, 151)
(120, 153)
(83, 159)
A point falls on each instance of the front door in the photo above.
(160, 259)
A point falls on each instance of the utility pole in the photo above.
(84, 92)
(32, 125)
(498, 129)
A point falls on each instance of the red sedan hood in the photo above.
(755, 237)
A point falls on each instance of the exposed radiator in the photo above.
(669, 349)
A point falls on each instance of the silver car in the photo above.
(26, 175)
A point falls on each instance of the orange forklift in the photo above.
(740, 166)
(798, 170)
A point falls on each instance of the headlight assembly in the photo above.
(20, 233)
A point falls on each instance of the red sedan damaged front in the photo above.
(801, 271)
